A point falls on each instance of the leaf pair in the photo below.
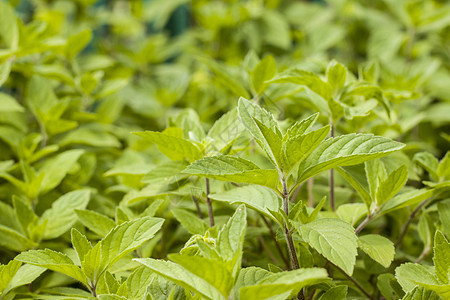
(26, 229)
(216, 273)
(413, 276)
(119, 242)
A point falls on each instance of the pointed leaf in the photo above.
(264, 70)
(126, 237)
(80, 243)
(231, 168)
(392, 185)
(54, 261)
(61, 216)
(379, 248)
(296, 148)
(279, 283)
(346, 150)
(191, 222)
(259, 198)
(181, 276)
(213, 271)
(96, 222)
(442, 257)
(176, 148)
(334, 239)
(337, 292)
(420, 293)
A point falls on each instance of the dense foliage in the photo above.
(224, 149)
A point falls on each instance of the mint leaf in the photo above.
(264, 70)
(61, 216)
(290, 282)
(334, 239)
(345, 150)
(181, 276)
(231, 168)
(259, 198)
(176, 148)
(54, 261)
(442, 257)
(379, 248)
(392, 185)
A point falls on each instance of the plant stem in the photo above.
(290, 242)
(208, 202)
(332, 201)
(199, 211)
(424, 253)
(363, 224)
(356, 283)
(366, 221)
(410, 219)
(274, 237)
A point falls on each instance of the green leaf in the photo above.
(308, 79)
(5, 69)
(25, 215)
(428, 162)
(175, 148)
(420, 293)
(11, 239)
(80, 243)
(409, 275)
(406, 199)
(280, 283)
(7, 273)
(9, 30)
(379, 248)
(259, 198)
(40, 97)
(166, 173)
(77, 42)
(248, 277)
(444, 216)
(212, 271)
(191, 222)
(357, 186)
(263, 127)
(225, 131)
(61, 216)
(25, 275)
(296, 148)
(389, 287)
(54, 261)
(345, 150)
(225, 78)
(375, 173)
(181, 276)
(392, 185)
(126, 237)
(230, 241)
(264, 70)
(334, 293)
(57, 167)
(334, 239)
(138, 281)
(443, 170)
(351, 212)
(336, 75)
(442, 257)
(231, 168)
(96, 222)
(9, 104)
